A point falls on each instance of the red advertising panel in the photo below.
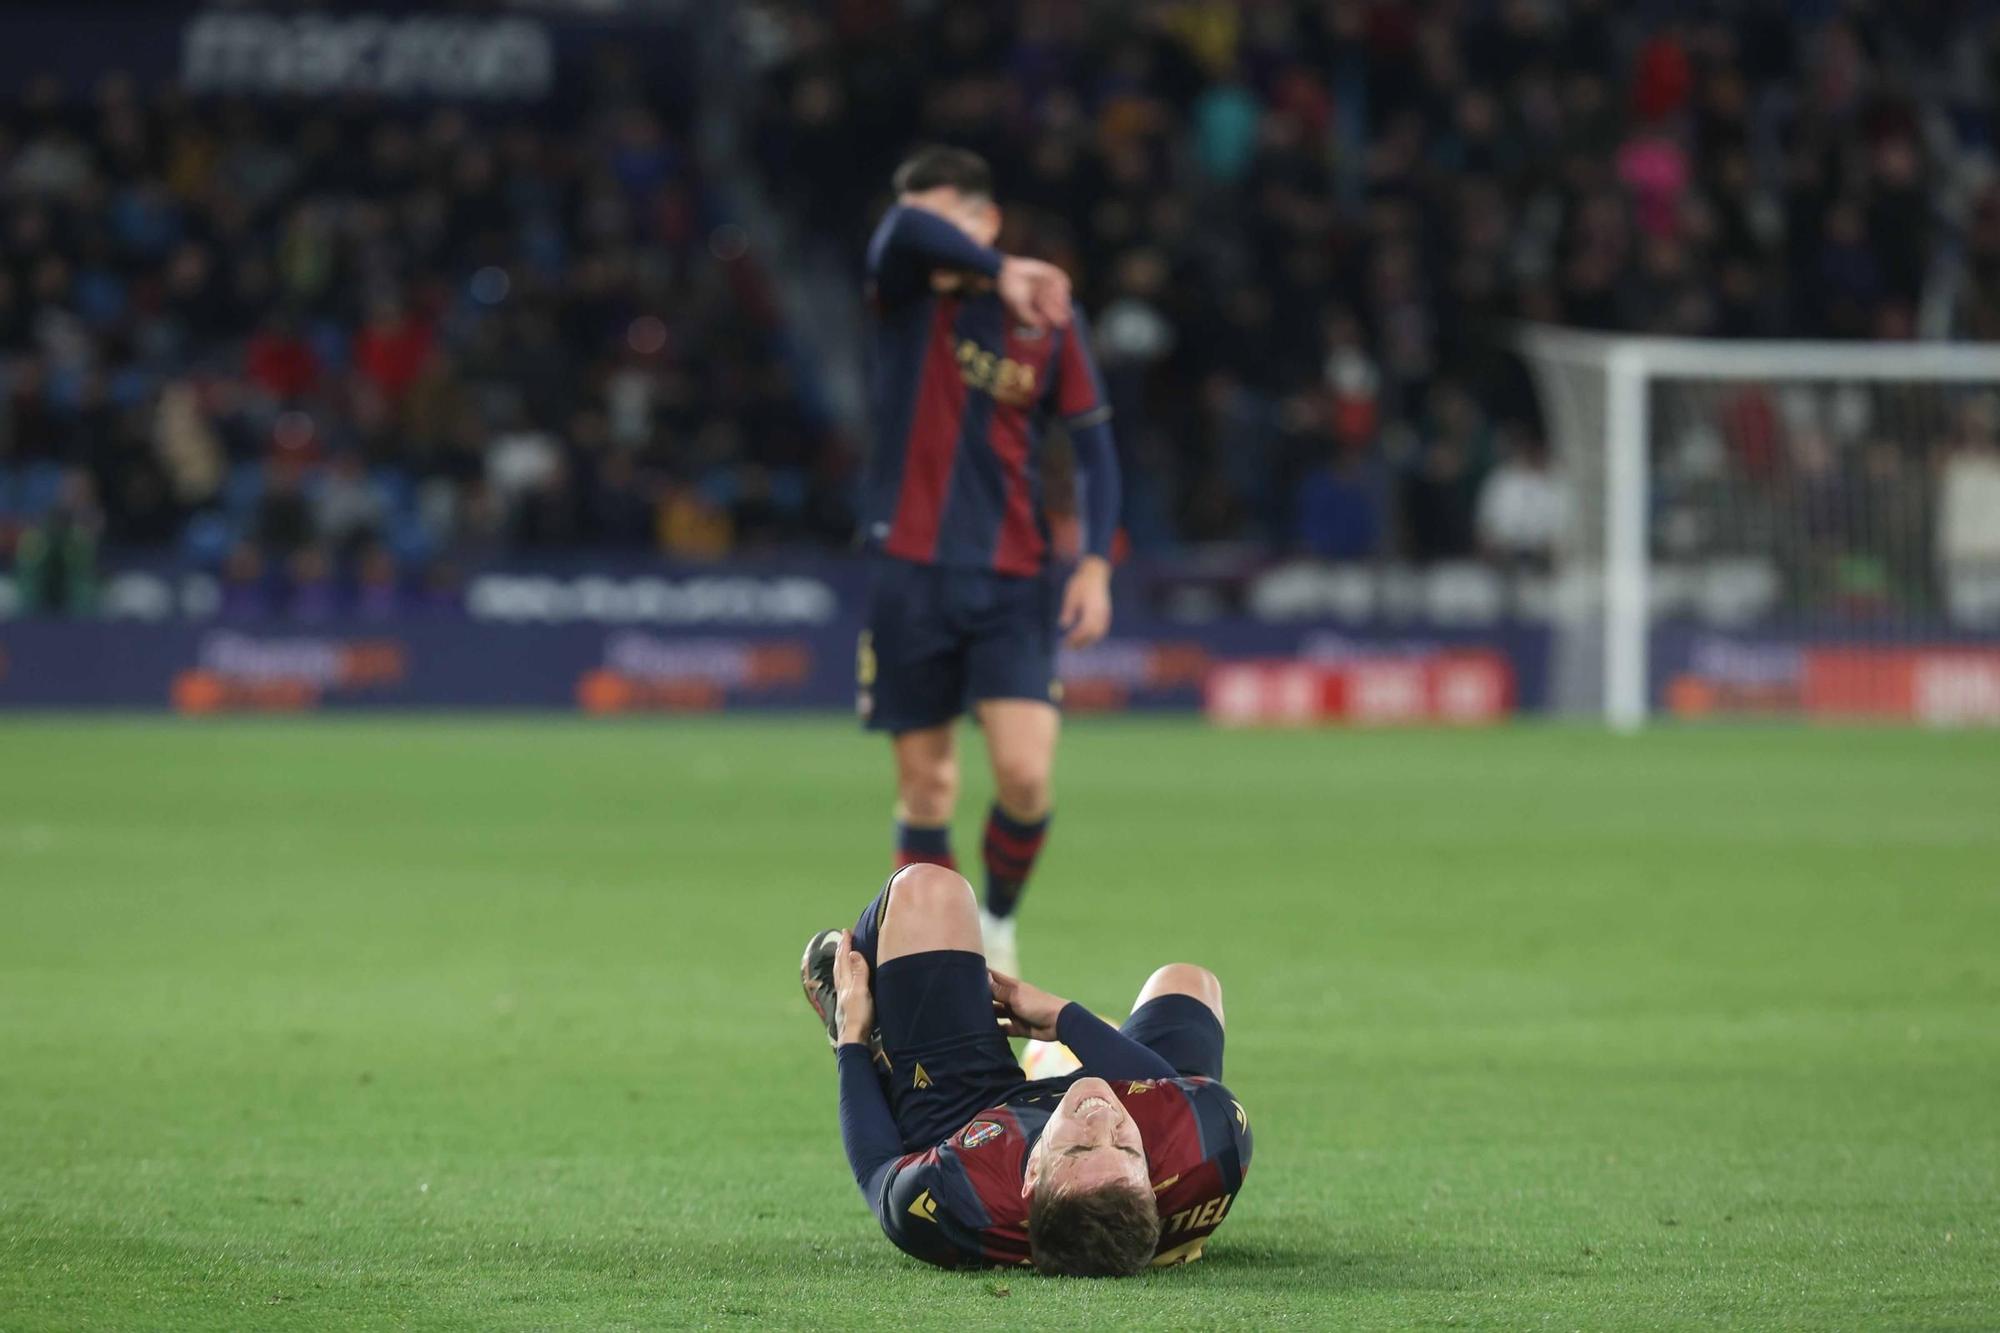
(1448, 687)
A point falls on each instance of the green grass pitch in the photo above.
(489, 1024)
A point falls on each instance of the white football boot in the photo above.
(998, 934)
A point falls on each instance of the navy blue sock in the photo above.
(1010, 846)
(917, 845)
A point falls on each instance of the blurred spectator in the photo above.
(1437, 504)
(56, 557)
(283, 524)
(1340, 508)
(1524, 508)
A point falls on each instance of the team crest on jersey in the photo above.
(978, 1132)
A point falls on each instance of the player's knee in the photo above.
(929, 791)
(1186, 979)
(926, 890)
(1022, 787)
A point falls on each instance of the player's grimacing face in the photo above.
(1089, 1141)
(974, 214)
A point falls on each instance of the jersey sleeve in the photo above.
(910, 1207)
(903, 1190)
(1080, 398)
(1105, 1051)
(910, 244)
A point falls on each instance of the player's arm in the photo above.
(867, 1131)
(1086, 611)
(897, 1185)
(1103, 1049)
(901, 1188)
(911, 244)
(1029, 1011)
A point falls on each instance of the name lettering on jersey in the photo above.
(978, 1132)
(1199, 1216)
(924, 1206)
(1007, 380)
(920, 1079)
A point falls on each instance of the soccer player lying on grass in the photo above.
(1131, 1161)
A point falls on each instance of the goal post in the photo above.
(1823, 507)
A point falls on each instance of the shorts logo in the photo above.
(864, 659)
(924, 1206)
(864, 675)
(920, 1079)
(978, 1132)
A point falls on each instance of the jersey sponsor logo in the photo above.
(978, 1132)
(1007, 380)
(920, 1079)
(924, 1206)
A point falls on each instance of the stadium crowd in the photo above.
(330, 349)
(347, 344)
(1299, 222)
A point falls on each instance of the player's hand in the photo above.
(1035, 293)
(855, 1001)
(1023, 1010)
(1086, 604)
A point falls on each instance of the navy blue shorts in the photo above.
(939, 639)
(947, 1058)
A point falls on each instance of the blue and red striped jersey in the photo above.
(962, 398)
(959, 1204)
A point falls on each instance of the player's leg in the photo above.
(1021, 737)
(923, 908)
(1178, 1015)
(926, 794)
(1011, 677)
(910, 678)
(926, 908)
(944, 1058)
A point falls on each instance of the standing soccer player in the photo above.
(974, 353)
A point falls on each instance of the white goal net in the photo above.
(1774, 528)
